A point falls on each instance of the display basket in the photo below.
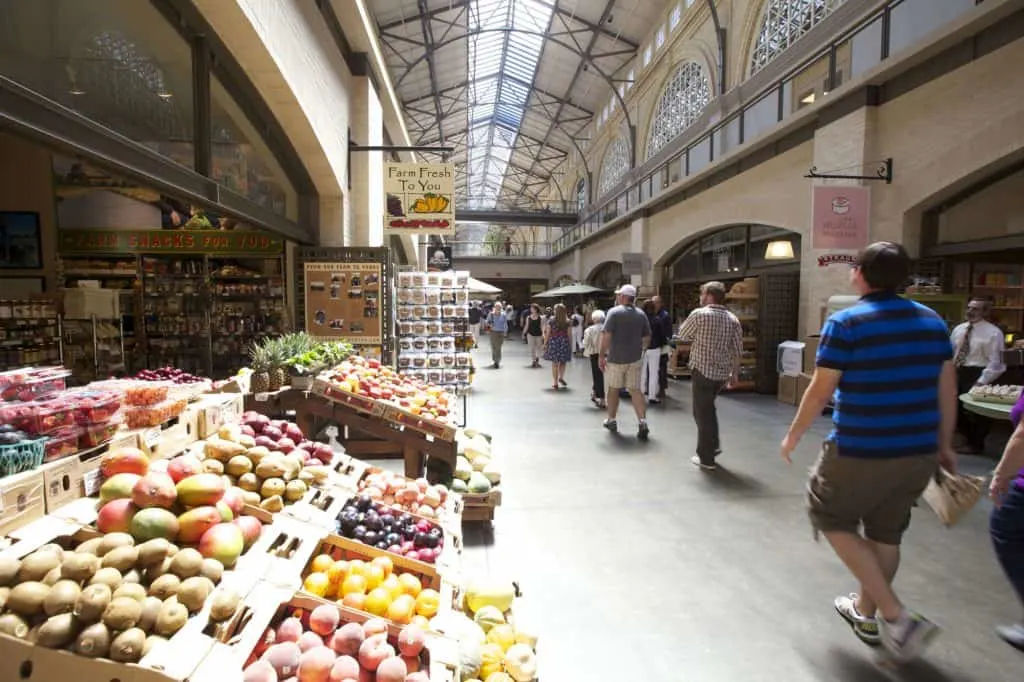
(23, 456)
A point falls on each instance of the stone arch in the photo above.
(607, 275)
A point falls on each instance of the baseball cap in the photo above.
(626, 290)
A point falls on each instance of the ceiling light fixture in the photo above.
(779, 250)
(75, 90)
(164, 94)
(809, 99)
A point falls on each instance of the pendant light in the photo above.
(781, 249)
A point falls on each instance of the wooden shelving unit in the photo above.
(1000, 283)
(745, 306)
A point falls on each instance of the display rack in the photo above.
(743, 300)
(176, 324)
(433, 328)
(1002, 284)
(247, 303)
(29, 333)
(94, 348)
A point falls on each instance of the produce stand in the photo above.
(984, 408)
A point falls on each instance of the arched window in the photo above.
(682, 101)
(581, 195)
(784, 21)
(614, 166)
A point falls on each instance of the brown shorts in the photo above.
(844, 493)
(626, 376)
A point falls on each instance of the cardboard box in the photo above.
(22, 500)
(62, 481)
(810, 352)
(216, 409)
(802, 382)
(790, 358)
(788, 389)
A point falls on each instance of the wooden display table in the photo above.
(362, 434)
(986, 409)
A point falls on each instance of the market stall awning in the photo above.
(569, 290)
(478, 287)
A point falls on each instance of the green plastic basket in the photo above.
(24, 456)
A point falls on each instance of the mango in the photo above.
(124, 461)
(195, 522)
(154, 490)
(200, 490)
(116, 516)
(152, 523)
(251, 528)
(118, 487)
(224, 542)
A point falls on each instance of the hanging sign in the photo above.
(635, 263)
(836, 259)
(840, 217)
(212, 242)
(343, 302)
(439, 258)
(419, 198)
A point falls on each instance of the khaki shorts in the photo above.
(845, 493)
(623, 376)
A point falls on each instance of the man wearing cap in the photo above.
(626, 335)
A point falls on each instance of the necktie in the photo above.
(965, 347)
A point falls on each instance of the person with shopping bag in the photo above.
(1006, 525)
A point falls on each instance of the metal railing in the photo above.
(500, 249)
(518, 205)
(860, 48)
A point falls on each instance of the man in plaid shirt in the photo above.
(717, 343)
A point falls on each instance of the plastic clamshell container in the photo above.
(94, 407)
(144, 416)
(42, 416)
(62, 443)
(146, 393)
(98, 434)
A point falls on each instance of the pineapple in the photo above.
(260, 369)
(277, 353)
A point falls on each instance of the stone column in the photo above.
(367, 168)
(638, 244)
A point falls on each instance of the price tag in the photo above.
(92, 481)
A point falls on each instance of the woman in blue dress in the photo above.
(558, 349)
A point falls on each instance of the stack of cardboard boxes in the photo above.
(795, 367)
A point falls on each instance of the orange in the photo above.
(410, 584)
(427, 603)
(355, 600)
(316, 583)
(393, 585)
(374, 576)
(386, 563)
(321, 564)
(353, 584)
(336, 573)
(377, 601)
(357, 567)
(401, 610)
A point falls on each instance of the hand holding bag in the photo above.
(953, 495)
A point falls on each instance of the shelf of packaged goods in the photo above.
(170, 275)
(746, 318)
(101, 273)
(28, 324)
(1017, 287)
(245, 278)
(247, 298)
(155, 294)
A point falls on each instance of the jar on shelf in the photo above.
(6, 312)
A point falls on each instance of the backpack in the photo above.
(575, 321)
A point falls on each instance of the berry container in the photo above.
(42, 416)
(98, 434)
(146, 393)
(62, 443)
(139, 417)
(95, 407)
(20, 457)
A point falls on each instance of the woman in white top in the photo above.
(592, 349)
(577, 331)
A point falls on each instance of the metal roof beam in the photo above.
(596, 28)
(425, 14)
(428, 37)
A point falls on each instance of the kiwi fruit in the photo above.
(94, 641)
(9, 569)
(212, 569)
(112, 541)
(89, 547)
(150, 610)
(4, 593)
(152, 641)
(79, 566)
(14, 625)
(93, 601)
(152, 552)
(127, 646)
(132, 591)
(225, 603)
(165, 586)
(193, 593)
(52, 577)
(122, 613)
(62, 598)
(251, 498)
(186, 563)
(109, 576)
(36, 565)
(172, 617)
(58, 631)
(213, 466)
(52, 548)
(27, 598)
(272, 504)
(157, 570)
(132, 577)
(122, 558)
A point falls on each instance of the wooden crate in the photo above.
(359, 403)
(430, 427)
(476, 507)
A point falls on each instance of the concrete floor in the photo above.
(636, 566)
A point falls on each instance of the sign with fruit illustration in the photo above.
(343, 302)
(841, 215)
(419, 198)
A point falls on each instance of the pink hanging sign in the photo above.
(840, 217)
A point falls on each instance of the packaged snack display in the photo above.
(61, 443)
(433, 309)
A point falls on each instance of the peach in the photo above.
(324, 619)
(260, 671)
(391, 670)
(412, 663)
(375, 626)
(417, 677)
(285, 657)
(411, 640)
(316, 664)
(345, 668)
(347, 639)
(310, 640)
(290, 630)
(374, 651)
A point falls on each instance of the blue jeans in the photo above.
(1007, 530)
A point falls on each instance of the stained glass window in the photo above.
(784, 21)
(614, 166)
(682, 101)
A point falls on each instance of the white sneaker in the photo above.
(695, 460)
(906, 639)
(864, 627)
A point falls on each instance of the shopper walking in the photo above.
(893, 422)
(625, 337)
(533, 334)
(1007, 523)
(592, 350)
(577, 331)
(716, 339)
(498, 323)
(978, 358)
(650, 382)
(474, 323)
(661, 334)
(556, 344)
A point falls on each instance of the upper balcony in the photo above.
(503, 249)
(516, 211)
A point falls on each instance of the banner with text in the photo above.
(840, 217)
(343, 302)
(419, 198)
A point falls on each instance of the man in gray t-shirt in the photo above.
(626, 335)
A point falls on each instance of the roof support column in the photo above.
(366, 169)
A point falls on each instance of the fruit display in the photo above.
(12, 435)
(322, 644)
(108, 597)
(172, 374)
(403, 494)
(380, 526)
(368, 378)
(476, 470)
(175, 502)
(28, 383)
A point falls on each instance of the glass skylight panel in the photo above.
(647, 55)
(676, 16)
(659, 38)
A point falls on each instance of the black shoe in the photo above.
(562, 381)
(654, 401)
(642, 431)
(494, 365)
(611, 425)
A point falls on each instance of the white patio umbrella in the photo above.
(478, 287)
(569, 290)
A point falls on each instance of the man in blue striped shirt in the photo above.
(888, 363)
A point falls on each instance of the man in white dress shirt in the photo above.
(978, 355)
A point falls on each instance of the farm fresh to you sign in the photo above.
(419, 198)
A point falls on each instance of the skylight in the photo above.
(502, 67)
